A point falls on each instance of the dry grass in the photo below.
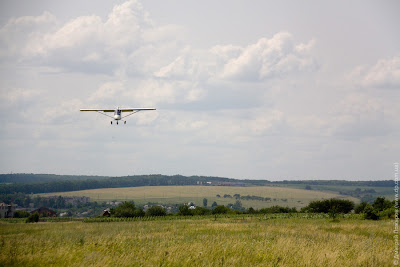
(183, 194)
(233, 241)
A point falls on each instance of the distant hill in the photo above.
(41, 178)
(47, 183)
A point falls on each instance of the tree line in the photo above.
(381, 208)
(47, 183)
(113, 182)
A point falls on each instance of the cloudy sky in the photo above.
(243, 89)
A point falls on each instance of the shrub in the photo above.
(34, 217)
(325, 206)
(277, 209)
(382, 204)
(360, 207)
(21, 214)
(126, 209)
(251, 210)
(156, 211)
(185, 211)
(370, 213)
(220, 210)
(201, 211)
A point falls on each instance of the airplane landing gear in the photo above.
(117, 122)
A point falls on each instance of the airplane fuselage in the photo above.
(117, 114)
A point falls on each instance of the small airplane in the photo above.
(118, 112)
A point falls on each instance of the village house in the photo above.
(45, 212)
(7, 210)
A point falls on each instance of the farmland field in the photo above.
(227, 241)
(290, 197)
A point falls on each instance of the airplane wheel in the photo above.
(111, 123)
(117, 122)
(124, 122)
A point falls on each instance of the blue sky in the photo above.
(251, 90)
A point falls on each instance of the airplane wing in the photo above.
(122, 109)
(104, 110)
(134, 109)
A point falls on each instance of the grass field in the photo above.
(227, 241)
(290, 197)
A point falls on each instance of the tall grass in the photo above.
(226, 241)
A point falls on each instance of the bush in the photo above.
(277, 209)
(220, 210)
(360, 207)
(382, 204)
(251, 210)
(370, 213)
(34, 217)
(156, 211)
(21, 214)
(185, 211)
(325, 206)
(201, 211)
(388, 213)
(126, 209)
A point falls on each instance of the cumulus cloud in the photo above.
(18, 35)
(266, 58)
(384, 74)
(84, 44)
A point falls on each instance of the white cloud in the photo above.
(384, 74)
(181, 68)
(17, 37)
(87, 44)
(106, 91)
(265, 59)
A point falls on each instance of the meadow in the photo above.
(234, 240)
(282, 196)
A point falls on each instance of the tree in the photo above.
(238, 205)
(34, 217)
(381, 204)
(184, 210)
(251, 210)
(156, 211)
(205, 202)
(325, 206)
(21, 214)
(220, 210)
(360, 207)
(201, 211)
(214, 204)
(370, 213)
(126, 209)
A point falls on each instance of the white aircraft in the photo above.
(118, 112)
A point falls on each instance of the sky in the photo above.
(243, 89)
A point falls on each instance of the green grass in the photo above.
(227, 241)
(282, 196)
